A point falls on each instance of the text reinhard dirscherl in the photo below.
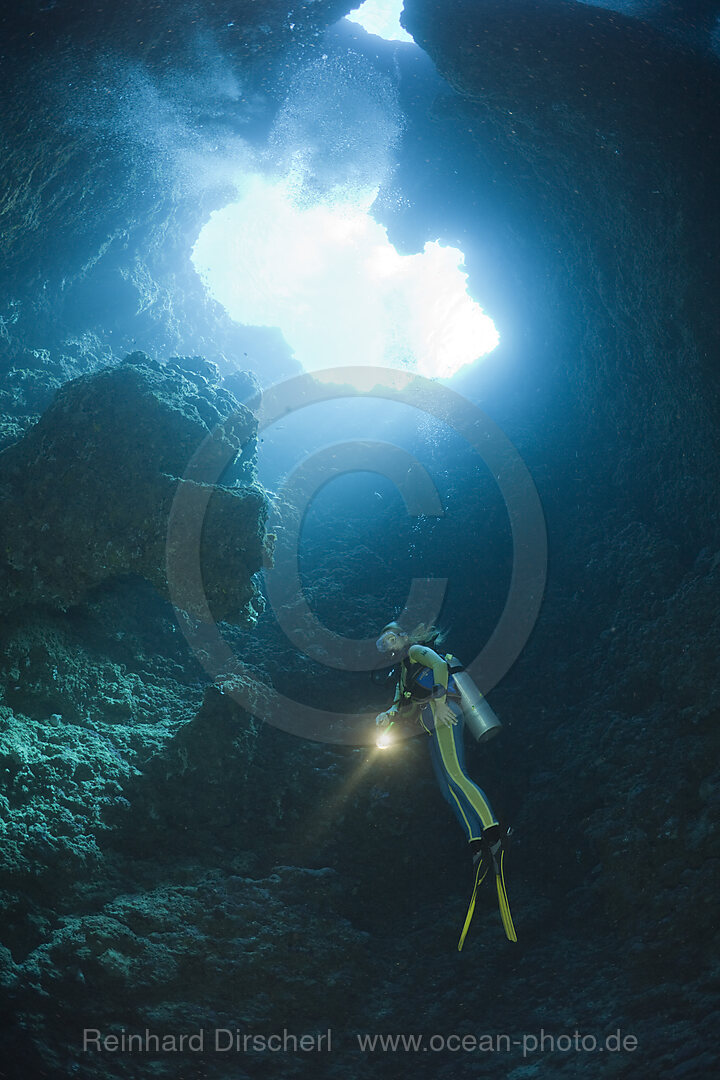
(218, 1040)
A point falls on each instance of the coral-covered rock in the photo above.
(88, 491)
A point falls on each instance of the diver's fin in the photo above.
(471, 908)
(505, 915)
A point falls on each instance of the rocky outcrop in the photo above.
(88, 491)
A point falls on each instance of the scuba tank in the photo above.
(481, 720)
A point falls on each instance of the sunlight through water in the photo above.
(326, 274)
(381, 17)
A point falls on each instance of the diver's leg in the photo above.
(470, 798)
(442, 779)
(464, 809)
(481, 825)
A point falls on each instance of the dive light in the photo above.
(384, 739)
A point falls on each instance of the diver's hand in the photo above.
(383, 719)
(444, 715)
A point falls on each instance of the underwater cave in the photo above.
(322, 326)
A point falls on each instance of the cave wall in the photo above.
(598, 130)
(590, 136)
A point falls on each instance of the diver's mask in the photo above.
(392, 639)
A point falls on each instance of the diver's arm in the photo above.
(396, 700)
(421, 654)
(390, 714)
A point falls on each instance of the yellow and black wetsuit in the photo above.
(422, 670)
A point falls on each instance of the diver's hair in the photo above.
(426, 634)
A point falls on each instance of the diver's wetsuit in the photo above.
(469, 802)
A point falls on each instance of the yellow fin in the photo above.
(471, 909)
(503, 904)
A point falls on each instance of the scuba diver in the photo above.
(434, 691)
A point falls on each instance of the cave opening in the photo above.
(327, 276)
(304, 247)
(381, 17)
